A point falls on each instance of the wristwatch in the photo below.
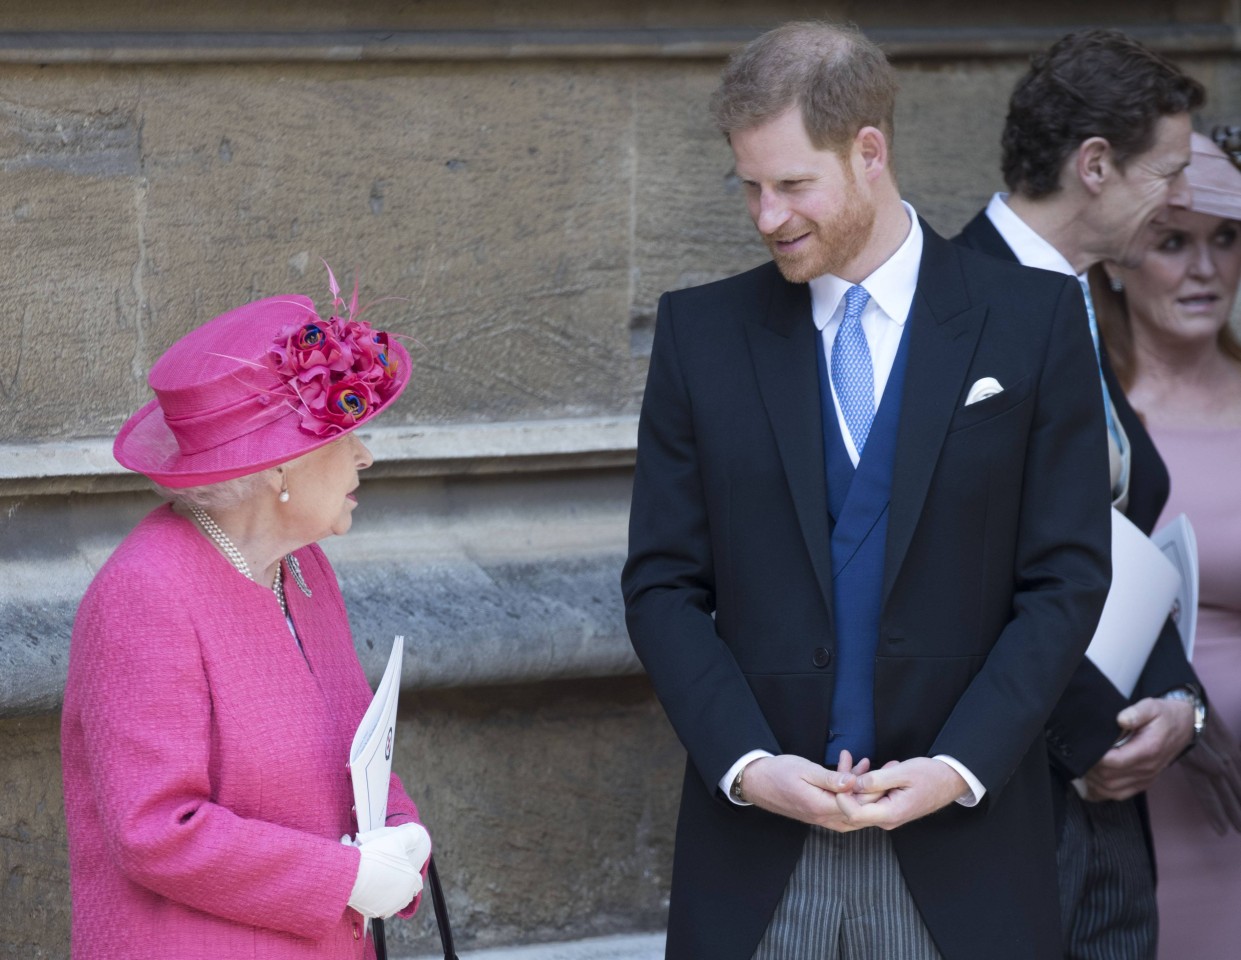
(1193, 697)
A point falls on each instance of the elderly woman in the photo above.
(213, 686)
(1167, 329)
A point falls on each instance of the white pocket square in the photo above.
(986, 387)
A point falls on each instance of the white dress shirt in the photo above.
(891, 287)
(1030, 249)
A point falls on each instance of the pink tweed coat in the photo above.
(204, 759)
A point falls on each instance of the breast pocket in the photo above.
(994, 406)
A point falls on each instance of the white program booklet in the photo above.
(370, 756)
(1179, 544)
(1144, 586)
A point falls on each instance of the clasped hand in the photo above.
(852, 796)
(390, 868)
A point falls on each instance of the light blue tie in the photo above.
(852, 371)
(1094, 336)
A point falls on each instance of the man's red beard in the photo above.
(833, 244)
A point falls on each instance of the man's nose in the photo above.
(772, 212)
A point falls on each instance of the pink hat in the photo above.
(1214, 180)
(258, 386)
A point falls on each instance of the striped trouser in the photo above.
(847, 900)
(1107, 886)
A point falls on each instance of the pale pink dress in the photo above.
(1200, 873)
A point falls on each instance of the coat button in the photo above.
(357, 931)
(822, 656)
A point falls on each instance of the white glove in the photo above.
(389, 872)
(417, 841)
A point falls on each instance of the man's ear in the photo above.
(1093, 164)
(870, 147)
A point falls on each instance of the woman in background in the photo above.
(213, 686)
(1166, 326)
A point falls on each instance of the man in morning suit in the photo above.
(868, 544)
(1094, 147)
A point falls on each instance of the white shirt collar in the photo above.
(891, 285)
(1029, 248)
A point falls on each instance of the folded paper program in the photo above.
(1144, 585)
(370, 756)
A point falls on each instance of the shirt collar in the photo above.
(1029, 248)
(891, 286)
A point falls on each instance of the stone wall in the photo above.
(530, 208)
(529, 177)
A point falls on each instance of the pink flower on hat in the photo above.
(309, 350)
(372, 360)
(349, 401)
(339, 370)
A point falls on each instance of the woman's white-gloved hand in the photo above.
(417, 841)
(390, 870)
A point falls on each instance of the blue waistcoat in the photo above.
(857, 501)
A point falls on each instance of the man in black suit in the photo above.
(868, 545)
(1095, 145)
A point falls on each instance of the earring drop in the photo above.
(284, 488)
(1117, 284)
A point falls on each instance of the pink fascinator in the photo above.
(259, 386)
(1213, 179)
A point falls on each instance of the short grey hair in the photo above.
(214, 496)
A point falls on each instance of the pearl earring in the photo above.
(1117, 284)
(284, 488)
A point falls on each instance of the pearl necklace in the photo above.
(221, 540)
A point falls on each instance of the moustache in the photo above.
(784, 236)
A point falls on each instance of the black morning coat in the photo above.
(1083, 726)
(996, 571)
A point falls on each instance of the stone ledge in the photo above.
(465, 625)
(641, 946)
(87, 466)
(491, 579)
(664, 43)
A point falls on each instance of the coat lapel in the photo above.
(943, 332)
(981, 234)
(783, 348)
